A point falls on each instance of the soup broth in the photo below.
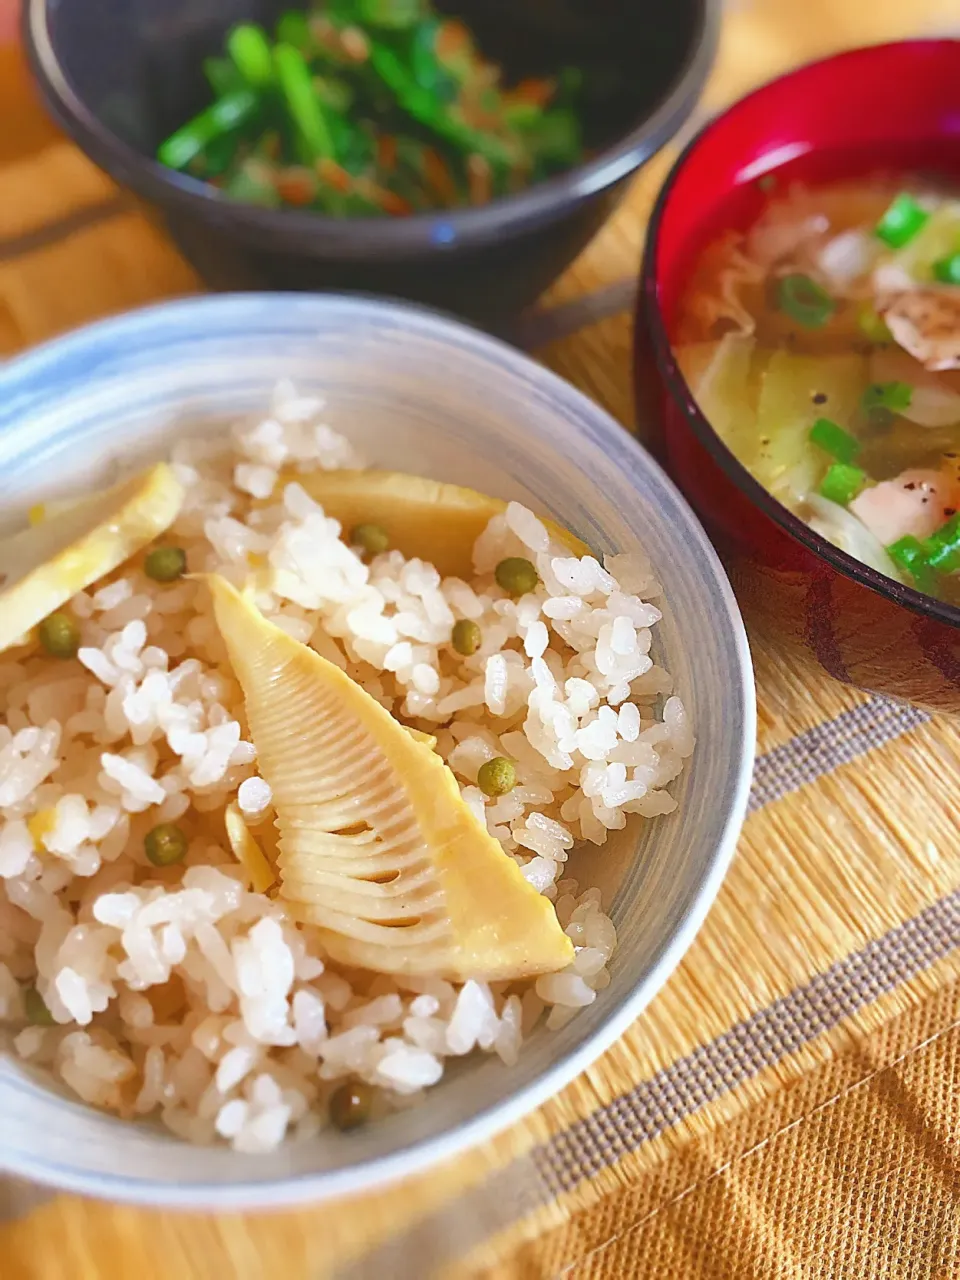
(823, 344)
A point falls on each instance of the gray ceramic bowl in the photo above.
(423, 394)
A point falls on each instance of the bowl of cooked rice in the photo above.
(360, 782)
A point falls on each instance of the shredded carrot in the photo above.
(438, 177)
(324, 32)
(271, 146)
(296, 186)
(472, 108)
(532, 92)
(354, 43)
(453, 39)
(393, 204)
(480, 179)
(384, 198)
(333, 174)
(387, 152)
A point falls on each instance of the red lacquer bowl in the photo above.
(887, 106)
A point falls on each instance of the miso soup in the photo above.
(823, 344)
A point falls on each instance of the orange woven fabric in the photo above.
(853, 1173)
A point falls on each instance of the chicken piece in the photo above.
(915, 502)
(926, 322)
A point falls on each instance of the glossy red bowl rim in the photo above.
(372, 239)
(650, 320)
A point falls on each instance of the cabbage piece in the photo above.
(720, 375)
(934, 403)
(844, 530)
(782, 457)
(939, 237)
(847, 258)
(694, 359)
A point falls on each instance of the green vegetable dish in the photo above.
(372, 107)
(823, 344)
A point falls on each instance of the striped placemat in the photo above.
(796, 1068)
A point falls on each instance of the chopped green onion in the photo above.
(570, 82)
(222, 76)
(909, 553)
(226, 114)
(555, 135)
(425, 109)
(278, 112)
(842, 483)
(216, 158)
(901, 222)
(427, 69)
(873, 326)
(804, 301)
(333, 93)
(396, 15)
(832, 439)
(947, 270)
(249, 48)
(293, 28)
(893, 396)
(943, 547)
(296, 85)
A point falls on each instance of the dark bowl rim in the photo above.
(372, 238)
(649, 319)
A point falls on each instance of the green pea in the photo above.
(467, 637)
(350, 1105)
(516, 575)
(371, 538)
(497, 777)
(165, 845)
(165, 564)
(34, 1006)
(59, 635)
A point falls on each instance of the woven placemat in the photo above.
(784, 1107)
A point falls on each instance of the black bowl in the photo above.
(119, 75)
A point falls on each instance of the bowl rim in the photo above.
(650, 320)
(428, 1152)
(373, 238)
